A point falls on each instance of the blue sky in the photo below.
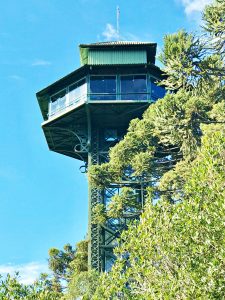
(43, 195)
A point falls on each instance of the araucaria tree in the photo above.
(177, 248)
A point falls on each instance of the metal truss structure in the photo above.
(103, 238)
(89, 144)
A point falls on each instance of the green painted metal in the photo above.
(150, 49)
(84, 56)
(95, 197)
(114, 57)
(79, 132)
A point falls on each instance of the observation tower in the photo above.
(89, 110)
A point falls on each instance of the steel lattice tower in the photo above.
(89, 110)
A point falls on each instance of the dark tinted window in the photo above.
(103, 85)
(133, 87)
(157, 92)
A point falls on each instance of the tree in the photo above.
(64, 263)
(41, 289)
(177, 148)
(177, 251)
(70, 277)
(214, 26)
(82, 285)
(170, 130)
(59, 262)
(70, 271)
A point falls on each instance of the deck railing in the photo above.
(64, 103)
(72, 100)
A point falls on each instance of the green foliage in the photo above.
(67, 265)
(214, 25)
(122, 205)
(125, 204)
(59, 262)
(177, 251)
(169, 132)
(191, 63)
(80, 261)
(71, 265)
(64, 263)
(178, 150)
(172, 182)
(101, 176)
(41, 289)
(182, 57)
(196, 63)
(82, 285)
(99, 214)
(218, 112)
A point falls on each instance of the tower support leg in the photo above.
(95, 197)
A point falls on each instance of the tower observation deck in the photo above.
(89, 110)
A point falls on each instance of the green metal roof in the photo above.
(124, 46)
(112, 57)
(117, 43)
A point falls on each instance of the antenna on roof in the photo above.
(118, 22)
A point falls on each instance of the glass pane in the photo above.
(133, 84)
(77, 90)
(77, 84)
(58, 96)
(58, 102)
(157, 92)
(52, 107)
(103, 84)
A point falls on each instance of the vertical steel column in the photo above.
(95, 197)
